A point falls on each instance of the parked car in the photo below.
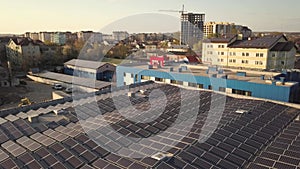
(57, 86)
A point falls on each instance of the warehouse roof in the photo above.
(62, 139)
(86, 63)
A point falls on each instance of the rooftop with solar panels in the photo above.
(101, 130)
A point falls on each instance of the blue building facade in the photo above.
(285, 93)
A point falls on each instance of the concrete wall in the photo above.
(51, 82)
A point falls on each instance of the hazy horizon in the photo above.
(36, 16)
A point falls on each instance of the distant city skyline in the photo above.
(19, 16)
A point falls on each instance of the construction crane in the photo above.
(181, 11)
(178, 11)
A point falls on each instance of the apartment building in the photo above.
(23, 52)
(45, 36)
(212, 29)
(58, 38)
(264, 53)
(120, 35)
(192, 28)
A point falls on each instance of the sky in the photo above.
(135, 16)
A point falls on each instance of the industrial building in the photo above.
(90, 69)
(262, 53)
(69, 133)
(266, 85)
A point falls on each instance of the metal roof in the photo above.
(86, 63)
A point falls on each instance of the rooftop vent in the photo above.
(142, 91)
(241, 111)
(58, 112)
(160, 156)
(33, 118)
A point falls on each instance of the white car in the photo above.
(57, 86)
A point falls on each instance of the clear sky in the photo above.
(19, 16)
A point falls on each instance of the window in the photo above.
(233, 53)
(124, 74)
(230, 60)
(245, 61)
(145, 77)
(261, 55)
(192, 84)
(222, 89)
(131, 75)
(257, 54)
(200, 86)
(222, 60)
(247, 54)
(258, 62)
(241, 92)
(233, 60)
(273, 55)
(282, 62)
(222, 53)
(159, 79)
(180, 82)
(211, 46)
(210, 87)
(243, 54)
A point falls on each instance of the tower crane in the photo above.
(179, 11)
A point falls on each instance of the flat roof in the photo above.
(86, 82)
(200, 70)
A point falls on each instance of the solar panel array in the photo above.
(265, 136)
(283, 152)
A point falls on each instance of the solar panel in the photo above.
(28, 143)
(14, 133)
(3, 155)
(55, 135)
(9, 163)
(42, 139)
(13, 148)
(26, 158)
